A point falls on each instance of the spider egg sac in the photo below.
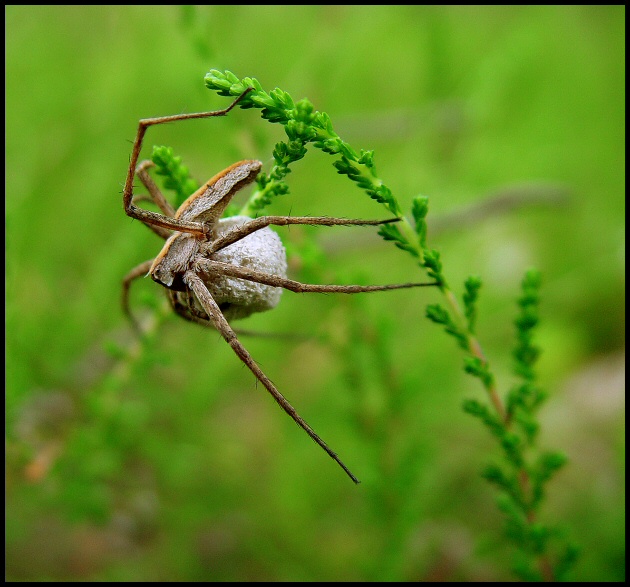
(261, 251)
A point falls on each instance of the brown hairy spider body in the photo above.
(216, 270)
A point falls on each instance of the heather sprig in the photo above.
(176, 175)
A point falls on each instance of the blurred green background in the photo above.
(170, 463)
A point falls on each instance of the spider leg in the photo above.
(243, 230)
(161, 232)
(139, 271)
(221, 324)
(156, 197)
(209, 266)
(147, 216)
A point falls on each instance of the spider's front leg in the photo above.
(146, 216)
(208, 303)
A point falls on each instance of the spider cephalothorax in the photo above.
(216, 270)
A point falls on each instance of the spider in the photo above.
(216, 270)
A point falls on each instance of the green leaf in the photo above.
(480, 369)
(439, 315)
(433, 265)
(483, 412)
(525, 352)
(472, 286)
(419, 210)
(390, 232)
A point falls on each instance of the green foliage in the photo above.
(485, 414)
(547, 464)
(472, 285)
(524, 399)
(521, 480)
(479, 368)
(526, 353)
(440, 315)
(433, 265)
(176, 176)
(419, 210)
(391, 232)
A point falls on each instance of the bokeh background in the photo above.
(167, 461)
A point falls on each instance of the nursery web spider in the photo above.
(214, 269)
